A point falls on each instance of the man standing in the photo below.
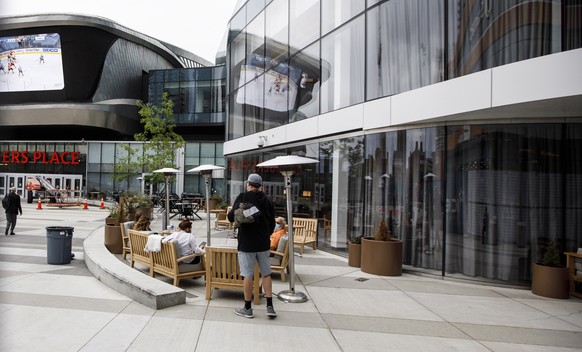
(12, 211)
(253, 244)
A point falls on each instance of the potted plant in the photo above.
(112, 236)
(222, 205)
(355, 251)
(549, 277)
(214, 200)
(144, 205)
(382, 254)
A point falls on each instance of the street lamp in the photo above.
(168, 172)
(287, 165)
(206, 172)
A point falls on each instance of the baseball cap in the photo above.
(254, 178)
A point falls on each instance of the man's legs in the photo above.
(248, 288)
(10, 223)
(246, 263)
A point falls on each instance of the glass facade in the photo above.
(475, 200)
(199, 94)
(296, 59)
(481, 201)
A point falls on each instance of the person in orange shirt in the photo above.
(280, 231)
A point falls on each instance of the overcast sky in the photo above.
(197, 26)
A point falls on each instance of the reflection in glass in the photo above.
(307, 102)
(344, 51)
(334, 13)
(486, 34)
(277, 32)
(256, 38)
(303, 23)
(395, 65)
(237, 57)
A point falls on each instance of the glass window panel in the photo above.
(572, 25)
(237, 55)
(277, 32)
(237, 23)
(220, 161)
(280, 90)
(187, 97)
(192, 155)
(334, 13)
(343, 52)
(256, 41)
(156, 76)
(107, 157)
(94, 155)
(253, 8)
(395, 65)
(486, 34)
(203, 74)
(219, 72)
(303, 23)
(236, 116)
(187, 74)
(253, 105)
(218, 94)
(155, 93)
(505, 193)
(172, 76)
(207, 153)
(307, 102)
(203, 96)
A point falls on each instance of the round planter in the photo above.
(354, 254)
(113, 240)
(112, 221)
(212, 203)
(382, 257)
(550, 281)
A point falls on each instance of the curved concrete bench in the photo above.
(128, 281)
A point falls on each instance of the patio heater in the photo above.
(206, 172)
(168, 172)
(287, 165)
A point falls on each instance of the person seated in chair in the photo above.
(279, 231)
(186, 242)
(142, 223)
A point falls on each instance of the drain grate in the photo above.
(361, 279)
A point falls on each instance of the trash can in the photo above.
(29, 197)
(59, 244)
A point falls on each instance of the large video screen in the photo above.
(31, 63)
(271, 86)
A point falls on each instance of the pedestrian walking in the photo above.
(254, 242)
(13, 208)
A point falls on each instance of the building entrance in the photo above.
(70, 186)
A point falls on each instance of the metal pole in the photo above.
(290, 295)
(167, 202)
(207, 181)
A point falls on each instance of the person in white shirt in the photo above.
(186, 242)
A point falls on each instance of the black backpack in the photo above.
(5, 202)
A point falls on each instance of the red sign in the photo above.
(25, 157)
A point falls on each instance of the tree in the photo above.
(160, 143)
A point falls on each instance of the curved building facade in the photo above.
(91, 72)
(68, 91)
(456, 121)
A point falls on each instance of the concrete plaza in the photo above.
(65, 308)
